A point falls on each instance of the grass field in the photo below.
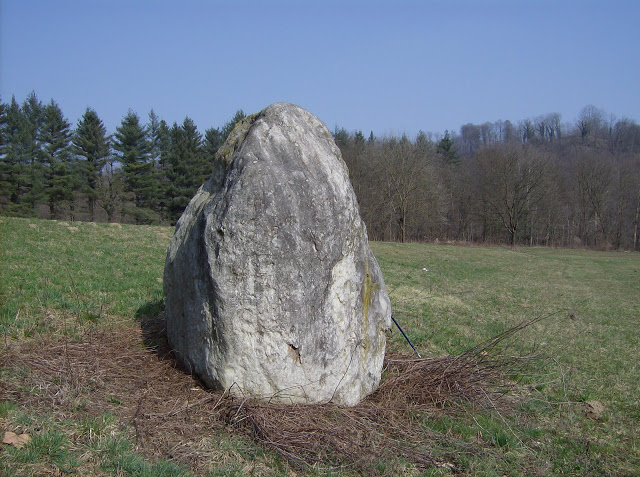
(73, 302)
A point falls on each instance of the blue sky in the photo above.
(382, 66)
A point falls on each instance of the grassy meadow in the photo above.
(73, 302)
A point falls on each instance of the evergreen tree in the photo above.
(187, 168)
(153, 136)
(213, 139)
(447, 150)
(177, 175)
(160, 142)
(16, 162)
(91, 143)
(132, 149)
(3, 122)
(5, 169)
(11, 164)
(342, 137)
(54, 138)
(31, 177)
(201, 167)
(163, 142)
(228, 127)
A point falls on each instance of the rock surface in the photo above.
(271, 287)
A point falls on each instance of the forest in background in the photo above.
(539, 181)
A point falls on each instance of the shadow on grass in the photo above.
(153, 325)
(154, 329)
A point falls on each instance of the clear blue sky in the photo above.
(386, 66)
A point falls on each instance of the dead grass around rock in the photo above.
(129, 372)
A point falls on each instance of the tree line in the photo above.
(143, 173)
(535, 182)
(538, 181)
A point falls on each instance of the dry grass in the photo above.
(129, 373)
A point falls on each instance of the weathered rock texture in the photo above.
(271, 287)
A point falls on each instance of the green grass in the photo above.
(58, 279)
(86, 446)
(591, 339)
(80, 271)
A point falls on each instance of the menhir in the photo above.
(271, 288)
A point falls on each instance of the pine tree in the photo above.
(447, 150)
(59, 176)
(342, 138)
(91, 143)
(3, 122)
(228, 127)
(177, 172)
(159, 141)
(10, 162)
(163, 142)
(31, 176)
(213, 139)
(187, 168)
(201, 167)
(132, 149)
(5, 185)
(153, 136)
(17, 163)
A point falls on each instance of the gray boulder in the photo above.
(271, 288)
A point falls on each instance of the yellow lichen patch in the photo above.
(369, 289)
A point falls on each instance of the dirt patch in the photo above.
(594, 410)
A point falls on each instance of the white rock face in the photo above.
(271, 287)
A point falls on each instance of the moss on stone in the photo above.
(225, 153)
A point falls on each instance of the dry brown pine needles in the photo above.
(129, 373)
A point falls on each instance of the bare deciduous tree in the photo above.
(511, 180)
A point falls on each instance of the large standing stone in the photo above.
(271, 287)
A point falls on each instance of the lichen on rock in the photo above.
(236, 136)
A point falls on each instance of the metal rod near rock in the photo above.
(271, 288)
(405, 336)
